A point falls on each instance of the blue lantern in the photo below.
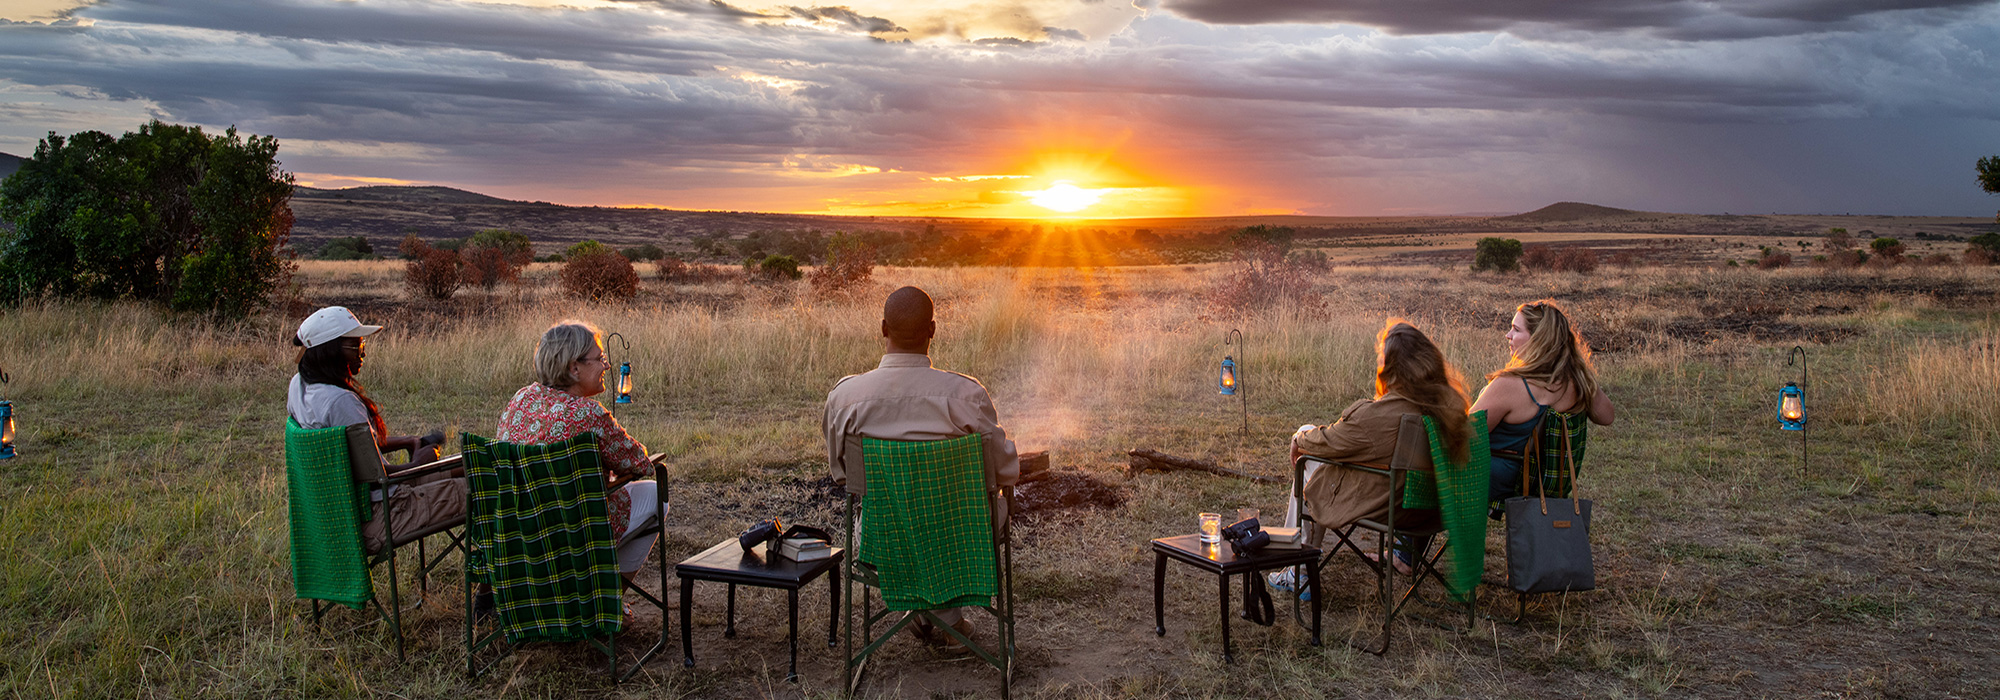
(6, 430)
(1791, 407)
(1227, 382)
(624, 382)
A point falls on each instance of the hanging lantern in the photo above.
(624, 382)
(6, 430)
(1227, 382)
(1791, 407)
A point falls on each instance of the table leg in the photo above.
(1222, 588)
(687, 606)
(1159, 591)
(1312, 584)
(792, 598)
(833, 609)
(729, 631)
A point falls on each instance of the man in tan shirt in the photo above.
(904, 398)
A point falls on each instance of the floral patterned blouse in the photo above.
(539, 415)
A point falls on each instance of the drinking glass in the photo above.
(1211, 527)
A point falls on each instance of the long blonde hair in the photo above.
(1556, 354)
(1415, 369)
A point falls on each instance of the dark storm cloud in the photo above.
(1680, 19)
(702, 94)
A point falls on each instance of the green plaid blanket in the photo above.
(1546, 461)
(540, 536)
(927, 527)
(327, 506)
(1459, 492)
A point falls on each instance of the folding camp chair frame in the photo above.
(1001, 607)
(656, 525)
(360, 446)
(1387, 532)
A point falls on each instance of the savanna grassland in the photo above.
(143, 530)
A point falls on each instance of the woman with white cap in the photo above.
(324, 394)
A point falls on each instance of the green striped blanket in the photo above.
(541, 537)
(927, 527)
(1459, 492)
(327, 506)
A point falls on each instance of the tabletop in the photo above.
(727, 560)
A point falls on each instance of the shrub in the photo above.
(849, 264)
(1262, 278)
(1500, 254)
(599, 275)
(1560, 259)
(1839, 239)
(1888, 249)
(1625, 258)
(586, 247)
(1540, 257)
(1938, 259)
(1985, 246)
(550, 258)
(671, 267)
(779, 267)
(643, 253)
(494, 255)
(431, 272)
(1774, 259)
(353, 248)
(1975, 255)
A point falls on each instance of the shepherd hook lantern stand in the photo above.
(1792, 404)
(6, 423)
(1230, 381)
(624, 371)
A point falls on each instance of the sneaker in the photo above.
(1286, 581)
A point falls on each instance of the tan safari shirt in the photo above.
(1365, 433)
(904, 398)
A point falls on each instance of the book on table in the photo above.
(805, 550)
(1284, 538)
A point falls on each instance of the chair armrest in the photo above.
(443, 464)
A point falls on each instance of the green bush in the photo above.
(582, 248)
(352, 248)
(779, 267)
(643, 253)
(167, 213)
(1498, 254)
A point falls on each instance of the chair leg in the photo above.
(395, 603)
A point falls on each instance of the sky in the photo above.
(1057, 108)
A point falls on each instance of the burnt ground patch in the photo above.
(1065, 491)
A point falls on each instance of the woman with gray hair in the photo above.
(569, 369)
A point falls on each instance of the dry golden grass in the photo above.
(144, 531)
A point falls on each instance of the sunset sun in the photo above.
(1064, 197)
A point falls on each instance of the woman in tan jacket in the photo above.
(1411, 376)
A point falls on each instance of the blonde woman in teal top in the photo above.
(1548, 369)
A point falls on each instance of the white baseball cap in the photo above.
(332, 322)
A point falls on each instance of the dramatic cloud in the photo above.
(1686, 19)
(859, 106)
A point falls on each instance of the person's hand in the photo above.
(436, 437)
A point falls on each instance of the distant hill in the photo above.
(1570, 211)
(9, 163)
(408, 195)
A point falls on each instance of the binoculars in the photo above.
(1246, 537)
(760, 533)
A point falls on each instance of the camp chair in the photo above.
(930, 543)
(330, 473)
(540, 535)
(1548, 468)
(1458, 492)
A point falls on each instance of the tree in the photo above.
(1499, 254)
(1989, 174)
(600, 274)
(432, 272)
(1887, 248)
(584, 247)
(166, 213)
(643, 253)
(495, 255)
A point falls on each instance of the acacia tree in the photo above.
(1989, 177)
(166, 214)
